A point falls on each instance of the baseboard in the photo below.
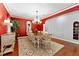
(71, 41)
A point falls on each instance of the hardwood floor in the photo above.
(69, 49)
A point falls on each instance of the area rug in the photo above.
(26, 48)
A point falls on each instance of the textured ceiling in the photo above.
(28, 10)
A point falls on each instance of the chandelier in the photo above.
(37, 18)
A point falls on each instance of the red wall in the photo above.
(3, 15)
(22, 25)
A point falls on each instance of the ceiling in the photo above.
(28, 10)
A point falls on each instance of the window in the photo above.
(76, 30)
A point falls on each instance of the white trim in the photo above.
(71, 41)
(67, 8)
(6, 7)
(64, 10)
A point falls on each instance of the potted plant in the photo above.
(15, 26)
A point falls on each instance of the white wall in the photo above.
(62, 26)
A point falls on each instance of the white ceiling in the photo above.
(28, 10)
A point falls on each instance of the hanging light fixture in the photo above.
(37, 18)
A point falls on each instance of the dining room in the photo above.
(39, 29)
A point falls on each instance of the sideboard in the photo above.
(7, 43)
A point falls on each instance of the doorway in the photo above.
(28, 27)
